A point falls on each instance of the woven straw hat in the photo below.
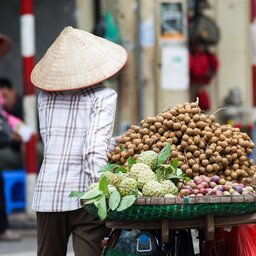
(77, 59)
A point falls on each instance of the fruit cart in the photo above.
(206, 212)
(178, 170)
(202, 212)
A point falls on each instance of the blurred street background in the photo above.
(178, 51)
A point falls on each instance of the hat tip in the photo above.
(68, 28)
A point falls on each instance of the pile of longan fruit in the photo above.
(202, 145)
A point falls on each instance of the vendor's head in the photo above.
(77, 59)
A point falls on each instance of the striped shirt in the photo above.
(76, 128)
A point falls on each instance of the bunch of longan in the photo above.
(201, 145)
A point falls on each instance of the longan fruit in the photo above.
(209, 168)
(201, 170)
(152, 128)
(195, 167)
(176, 126)
(144, 131)
(239, 172)
(159, 144)
(234, 156)
(201, 144)
(189, 172)
(212, 118)
(219, 148)
(184, 144)
(195, 110)
(196, 118)
(159, 119)
(157, 150)
(183, 128)
(191, 162)
(197, 139)
(145, 147)
(167, 115)
(196, 153)
(161, 130)
(192, 125)
(227, 172)
(118, 150)
(189, 155)
(157, 125)
(197, 131)
(208, 152)
(225, 161)
(249, 150)
(187, 119)
(202, 157)
(144, 125)
(234, 175)
(205, 162)
(228, 178)
(136, 141)
(216, 167)
(178, 134)
(190, 131)
(130, 152)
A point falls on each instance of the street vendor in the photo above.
(76, 119)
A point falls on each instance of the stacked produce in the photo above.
(201, 145)
(149, 176)
(180, 152)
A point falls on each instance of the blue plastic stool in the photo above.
(14, 189)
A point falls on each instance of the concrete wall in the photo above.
(233, 50)
(233, 17)
(50, 18)
(85, 14)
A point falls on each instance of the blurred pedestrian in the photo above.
(76, 118)
(11, 156)
(5, 140)
(12, 99)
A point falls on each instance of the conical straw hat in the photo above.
(77, 59)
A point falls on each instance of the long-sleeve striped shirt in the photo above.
(76, 128)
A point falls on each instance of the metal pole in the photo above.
(27, 28)
(139, 63)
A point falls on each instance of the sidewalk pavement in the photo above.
(25, 225)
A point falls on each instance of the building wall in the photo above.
(233, 50)
(233, 17)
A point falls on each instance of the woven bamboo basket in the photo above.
(152, 209)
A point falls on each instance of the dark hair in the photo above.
(5, 83)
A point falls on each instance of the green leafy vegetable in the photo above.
(102, 208)
(103, 185)
(114, 200)
(92, 193)
(126, 202)
(164, 154)
(131, 162)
